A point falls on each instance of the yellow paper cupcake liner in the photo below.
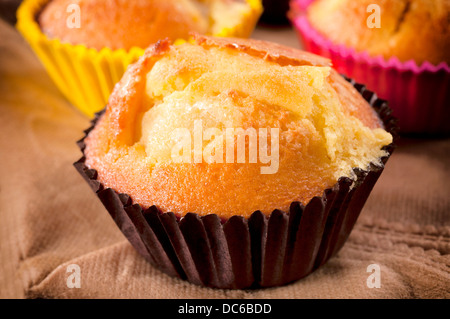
(87, 76)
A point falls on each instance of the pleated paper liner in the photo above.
(86, 76)
(241, 253)
(418, 95)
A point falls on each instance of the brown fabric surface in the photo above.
(50, 218)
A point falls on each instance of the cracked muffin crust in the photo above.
(325, 127)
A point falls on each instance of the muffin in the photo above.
(405, 60)
(286, 144)
(139, 23)
(86, 45)
(417, 30)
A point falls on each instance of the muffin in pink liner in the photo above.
(418, 94)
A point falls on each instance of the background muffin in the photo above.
(410, 29)
(85, 63)
(124, 24)
(405, 61)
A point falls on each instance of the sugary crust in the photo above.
(224, 189)
(283, 55)
(409, 29)
(272, 52)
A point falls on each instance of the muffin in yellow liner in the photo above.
(85, 75)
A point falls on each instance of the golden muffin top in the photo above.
(408, 29)
(231, 126)
(123, 24)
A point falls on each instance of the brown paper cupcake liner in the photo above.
(241, 253)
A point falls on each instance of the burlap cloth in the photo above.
(50, 218)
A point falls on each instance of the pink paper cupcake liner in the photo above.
(418, 95)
